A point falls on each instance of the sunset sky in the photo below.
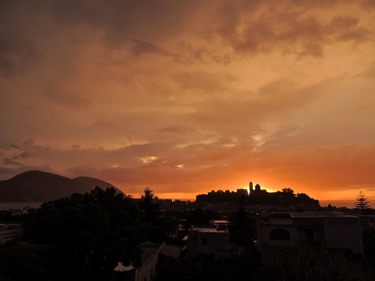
(189, 96)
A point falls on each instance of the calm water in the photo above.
(19, 205)
(337, 203)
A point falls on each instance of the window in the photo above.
(279, 234)
(204, 241)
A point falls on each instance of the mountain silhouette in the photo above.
(43, 186)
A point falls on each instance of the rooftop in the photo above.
(208, 228)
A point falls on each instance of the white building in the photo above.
(9, 232)
(332, 230)
(211, 240)
(150, 261)
(148, 270)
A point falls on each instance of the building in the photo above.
(208, 239)
(332, 230)
(255, 195)
(148, 270)
(9, 232)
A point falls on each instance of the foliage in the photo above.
(362, 202)
(26, 262)
(94, 230)
(151, 211)
(241, 227)
(149, 206)
(288, 191)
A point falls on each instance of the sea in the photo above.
(19, 205)
(337, 203)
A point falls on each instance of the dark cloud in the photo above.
(17, 54)
(28, 142)
(141, 48)
(176, 129)
(65, 97)
(7, 161)
(24, 155)
(13, 145)
(104, 124)
(125, 20)
(303, 35)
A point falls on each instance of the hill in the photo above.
(42, 186)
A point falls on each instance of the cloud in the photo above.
(177, 129)
(141, 47)
(291, 32)
(104, 124)
(12, 145)
(17, 54)
(65, 97)
(23, 155)
(247, 28)
(369, 73)
(189, 96)
(28, 142)
(7, 161)
(7, 173)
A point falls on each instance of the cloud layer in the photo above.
(190, 96)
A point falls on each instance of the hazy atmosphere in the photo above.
(191, 96)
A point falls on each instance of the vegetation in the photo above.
(81, 235)
(241, 228)
(362, 202)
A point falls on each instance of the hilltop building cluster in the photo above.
(257, 196)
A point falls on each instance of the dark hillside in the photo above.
(42, 186)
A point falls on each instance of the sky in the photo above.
(189, 96)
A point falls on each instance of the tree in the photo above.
(288, 191)
(241, 227)
(152, 216)
(362, 202)
(101, 226)
(149, 206)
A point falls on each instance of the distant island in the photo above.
(38, 186)
(257, 196)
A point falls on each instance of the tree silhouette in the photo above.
(241, 227)
(362, 202)
(151, 209)
(288, 190)
(102, 225)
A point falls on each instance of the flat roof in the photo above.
(208, 229)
